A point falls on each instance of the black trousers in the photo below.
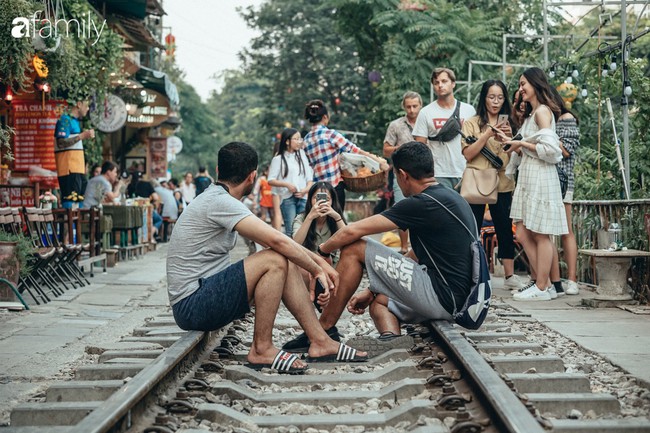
(500, 212)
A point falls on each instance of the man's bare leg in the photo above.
(296, 299)
(350, 269)
(384, 320)
(403, 240)
(265, 280)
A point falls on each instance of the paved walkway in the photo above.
(50, 341)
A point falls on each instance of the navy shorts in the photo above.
(220, 299)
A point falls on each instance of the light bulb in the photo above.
(628, 90)
(552, 73)
(575, 73)
(605, 71)
(584, 91)
(568, 80)
(612, 65)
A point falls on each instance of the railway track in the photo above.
(492, 380)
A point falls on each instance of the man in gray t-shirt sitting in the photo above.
(207, 292)
(100, 188)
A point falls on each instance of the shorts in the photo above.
(73, 182)
(411, 295)
(220, 299)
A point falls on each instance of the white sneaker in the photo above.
(571, 288)
(551, 291)
(529, 284)
(514, 283)
(533, 293)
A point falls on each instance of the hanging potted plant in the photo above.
(15, 251)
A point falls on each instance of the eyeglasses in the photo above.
(299, 139)
(496, 98)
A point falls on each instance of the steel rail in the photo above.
(115, 414)
(512, 416)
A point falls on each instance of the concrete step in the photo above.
(508, 347)
(51, 414)
(550, 382)
(522, 364)
(410, 412)
(82, 390)
(491, 336)
(625, 425)
(163, 341)
(157, 331)
(108, 371)
(561, 404)
(112, 354)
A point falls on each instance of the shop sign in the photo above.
(111, 115)
(34, 123)
(155, 112)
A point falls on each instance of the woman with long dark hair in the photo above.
(324, 145)
(291, 175)
(493, 103)
(322, 217)
(537, 206)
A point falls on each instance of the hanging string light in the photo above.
(605, 70)
(612, 64)
(584, 92)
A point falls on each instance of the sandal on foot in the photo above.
(345, 354)
(282, 363)
(301, 343)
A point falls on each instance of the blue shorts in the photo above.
(220, 299)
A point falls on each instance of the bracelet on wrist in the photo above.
(340, 219)
(323, 254)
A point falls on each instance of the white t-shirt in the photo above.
(448, 160)
(201, 241)
(294, 177)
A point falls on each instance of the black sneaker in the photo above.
(300, 344)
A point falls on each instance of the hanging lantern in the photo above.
(170, 45)
(337, 101)
(374, 77)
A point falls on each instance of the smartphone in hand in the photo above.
(503, 118)
(321, 196)
(318, 290)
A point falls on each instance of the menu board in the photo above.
(34, 140)
(158, 152)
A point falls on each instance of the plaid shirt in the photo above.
(322, 147)
(567, 130)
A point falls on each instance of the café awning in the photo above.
(135, 33)
(158, 81)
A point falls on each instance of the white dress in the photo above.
(537, 200)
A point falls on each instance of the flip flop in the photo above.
(282, 363)
(345, 354)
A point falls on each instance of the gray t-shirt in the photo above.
(201, 241)
(170, 206)
(95, 190)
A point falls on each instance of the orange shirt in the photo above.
(266, 197)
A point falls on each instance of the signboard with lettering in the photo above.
(34, 140)
(158, 153)
(153, 114)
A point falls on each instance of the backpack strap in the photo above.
(473, 235)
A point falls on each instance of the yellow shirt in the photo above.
(471, 128)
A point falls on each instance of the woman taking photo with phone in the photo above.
(537, 206)
(322, 218)
(490, 127)
(292, 175)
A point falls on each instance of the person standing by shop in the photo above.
(69, 152)
(400, 131)
(188, 189)
(493, 103)
(291, 174)
(324, 145)
(445, 145)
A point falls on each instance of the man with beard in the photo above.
(206, 291)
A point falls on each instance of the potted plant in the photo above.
(47, 200)
(15, 251)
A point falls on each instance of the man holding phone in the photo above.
(206, 291)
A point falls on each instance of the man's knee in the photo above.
(356, 249)
(270, 260)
